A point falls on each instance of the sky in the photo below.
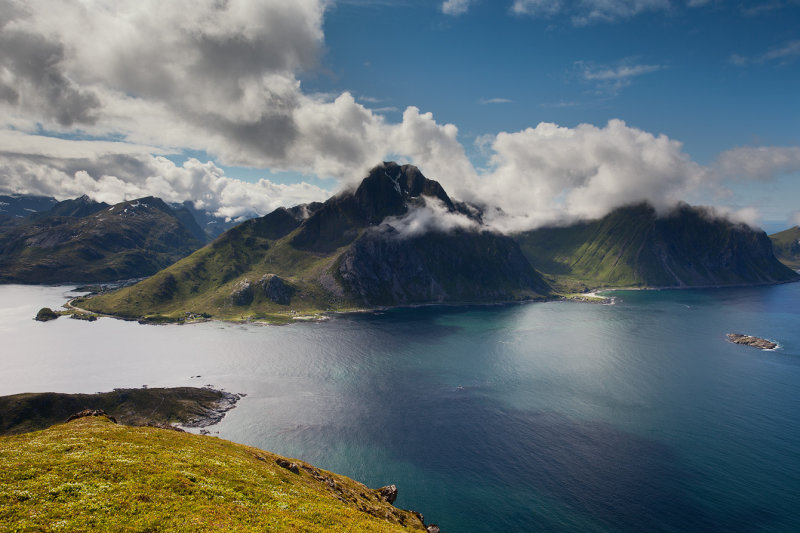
(551, 111)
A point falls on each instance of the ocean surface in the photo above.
(637, 416)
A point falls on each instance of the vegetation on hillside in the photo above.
(787, 246)
(93, 475)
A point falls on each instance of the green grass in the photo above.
(204, 281)
(93, 475)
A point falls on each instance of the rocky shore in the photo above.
(185, 406)
(749, 340)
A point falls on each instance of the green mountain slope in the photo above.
(339, 255)
(93, 475)
(85, 241)
(787, 246)
(631, 246)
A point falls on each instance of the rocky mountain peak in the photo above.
(389, 188)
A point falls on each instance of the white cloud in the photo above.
(486, 101)
(794, 219)
(758, 163)
(432, 216)
(584, 12)
(113, 176)
(611, 79)
(551, 174)
(455, 7)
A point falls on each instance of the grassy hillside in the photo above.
(787, 246)
(632, 246)
(94, 475)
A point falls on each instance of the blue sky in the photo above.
(703, 76)
(706, 88)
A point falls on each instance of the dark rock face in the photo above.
(388, 190)
(272, 287)
(276, 289)
(388, 493)
(755, 342)
(382, 268)
(242, 294)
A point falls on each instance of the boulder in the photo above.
(242, 293)
(388, 493)
(276, 289)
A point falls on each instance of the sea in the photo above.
(555, 416)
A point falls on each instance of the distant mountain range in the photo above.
(85, 241)
(46, 241)
(399, 239)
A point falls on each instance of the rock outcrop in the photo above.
(749, 340)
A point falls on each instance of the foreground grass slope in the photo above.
(92, 474)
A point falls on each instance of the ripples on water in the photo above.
(556, 416)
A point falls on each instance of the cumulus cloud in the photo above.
(551, 174)
(455, 7)
(433, 215)
(583, 12)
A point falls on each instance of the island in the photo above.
(749, 340)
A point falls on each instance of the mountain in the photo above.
(91, 474)
(16, 207)
(209, 224)
(787, 246)
(361, 248)
(85, 241)
(79, 207)
(631, 246)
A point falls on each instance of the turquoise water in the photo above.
(637, 416)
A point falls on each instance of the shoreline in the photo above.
(593, 296)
